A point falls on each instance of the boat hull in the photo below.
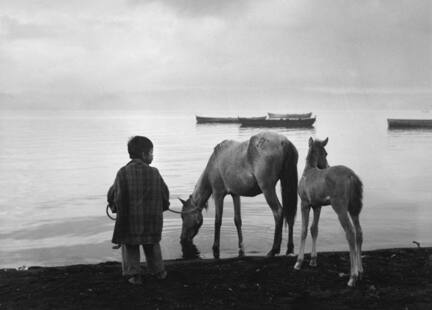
(290, 116)
(216, 120)
(409, 123)
(286, 123)
(257, 118)
(225, 120)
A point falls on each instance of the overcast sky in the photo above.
(148, 45)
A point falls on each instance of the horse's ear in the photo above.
(310, 141)
(182, 201)
(324, 143)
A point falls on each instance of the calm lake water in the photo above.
(55, 168)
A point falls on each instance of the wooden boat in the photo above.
(258, 118)
(209, 120)
(225, 120)
(296, 116)
(409, 123)
(287, 123)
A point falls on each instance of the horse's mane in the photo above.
(219, 147)
(203, 186)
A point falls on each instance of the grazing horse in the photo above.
(246, 168)
(339, 187)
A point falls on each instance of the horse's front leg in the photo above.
(238, 223)
(276, 208)
(218, 223)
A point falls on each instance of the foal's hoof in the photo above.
(360, 276)
(313, 262)
(298, 265)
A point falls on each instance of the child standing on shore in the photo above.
(141, 196)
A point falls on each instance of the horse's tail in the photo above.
(356, 196)
(289, 183)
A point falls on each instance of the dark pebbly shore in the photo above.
(394, 279)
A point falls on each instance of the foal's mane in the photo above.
(312, 156)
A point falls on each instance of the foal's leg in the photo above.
(273, 202)
(314, 233)
(342, 213)
(359, 241)
(238, 223)
(218, 222)
(305, 209)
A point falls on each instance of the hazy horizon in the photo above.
(62, 54)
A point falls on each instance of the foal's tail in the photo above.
(289, 183)
(356, 196)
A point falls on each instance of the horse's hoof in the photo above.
(289, 253)
(290, 250)
(313, 262)
(298, 265)
(216, 254)
(352, 281)
(241, 253)
(273, 252)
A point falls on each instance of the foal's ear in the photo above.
(310, 141)
(324, 143)
(182, 201)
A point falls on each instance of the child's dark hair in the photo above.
(137, 145)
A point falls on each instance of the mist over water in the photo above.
(56, 166)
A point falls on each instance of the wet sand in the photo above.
(394, 279)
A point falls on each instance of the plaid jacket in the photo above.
(141, 196)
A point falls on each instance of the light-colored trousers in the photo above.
(131, 259)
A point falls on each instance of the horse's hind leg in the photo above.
(359, 241)
(238, 223)
(305, 209)
(314, 233)
(273, 202)
(342, 213)
(218, 223)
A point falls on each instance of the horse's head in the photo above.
(317, 153)
(192, 219)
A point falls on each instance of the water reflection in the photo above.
(281, 130)
(395, 166)
(396, 132)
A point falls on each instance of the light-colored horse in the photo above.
(339, 187)
(246, 168)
